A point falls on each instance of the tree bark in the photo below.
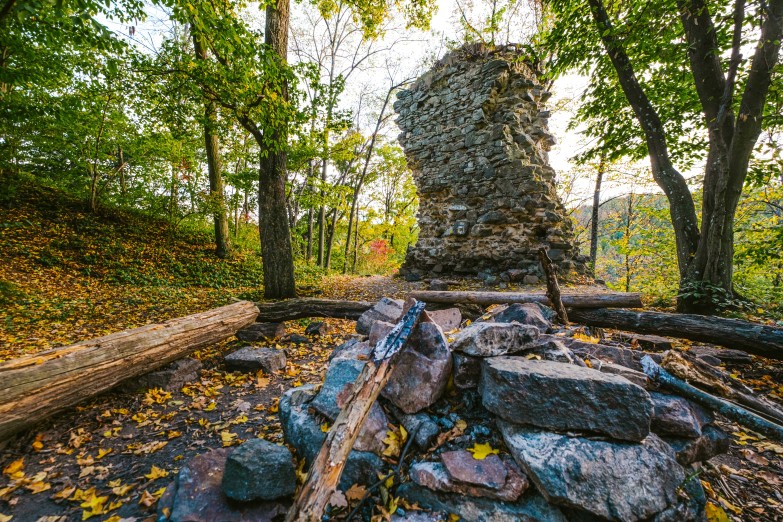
(214, 164)
(552, 287)
(291, 309)
(277, 255)
(37, 386)
(613, 300)
(596, 207)
(754, 338)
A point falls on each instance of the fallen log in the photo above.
(37, 386)
(291, 309)
(325, 472)
(607, 300)
(728, 410)
(754, 338)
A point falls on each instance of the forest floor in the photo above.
(69, 276)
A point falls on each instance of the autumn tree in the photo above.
(685, 94)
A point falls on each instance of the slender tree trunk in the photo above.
(596, 207)
(278, 259)
(214, 166)
(121, 168)
(322, 218)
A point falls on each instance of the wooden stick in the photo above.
(324, 474)
(36, 386)
(603, 300)
(552, 288)
(728, 410)
(755, 338)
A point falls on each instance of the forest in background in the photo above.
(213, 125)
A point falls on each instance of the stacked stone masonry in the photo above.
(477, 141)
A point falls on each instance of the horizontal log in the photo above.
(605, 300)
(754, 338)
(291, 309)
(36, 386)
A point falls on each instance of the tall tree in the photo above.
(692, 67)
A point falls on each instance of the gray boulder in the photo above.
(196, 495)
(378, 331)
(386, 309)
(530, 508)
(302, 430)
(613, 480)
(713, 441)
(420, 424)
(677, 417)
(317, 329)
(422, 370)
(259, 470)
(252, 359)
(261, 332)
(564, 397)
(532, 314)
(493, 339)
(448, 319)
(435, 476)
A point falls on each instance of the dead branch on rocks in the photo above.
(552, 287)
(725, 408)
(327, 467)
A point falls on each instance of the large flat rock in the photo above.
(493, 339)
(386, 309)
(614, 480)
(530, 508)
(564, 397)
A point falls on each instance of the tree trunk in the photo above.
(121, 169)
(292, 309)
(36, 386)
(277, 256)
(596, 207)
(754, 338)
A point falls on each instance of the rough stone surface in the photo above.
(530, 508)
(713, 441)
(552, 350)
(351, 349)
(467, 371)
(723, 354)
(638, 378)
(297, 339)
(421, 425)
(251, 359)
(386, 309)
(261, 332)
(435, 476)
(422, 370)
(378, 331)
(462, 467)
(302, 430)
(171, 377)
(317, 329)
(690, 506)
(615, 354)
(645, 342)
(677, 417)
(532, 314)
(438, 285)
(448, 319)
(493, 339)
(477, 141)
(259, 470)
(196, 495)
(614, 480)
(564, 397)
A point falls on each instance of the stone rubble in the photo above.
(252, 359)
(573, 431)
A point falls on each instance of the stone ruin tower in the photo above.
(477, 141)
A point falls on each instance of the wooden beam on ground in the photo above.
(604, 300)
(727, 409)
(325, 472)
(291, 309)
(36, 386)
(754, 338)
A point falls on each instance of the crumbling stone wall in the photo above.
(476, 138)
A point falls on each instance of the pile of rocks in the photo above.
(475, 134)
(569, 429)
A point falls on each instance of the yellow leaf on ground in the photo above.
(120, 490)
(147, 499)
(481, 451)
(392, 442)
(229, 439)
(38, 486)
(586, 338)
(14, 467)
(38, 443)
(325, 427)
(156, 473)
(5, 518)
(716, 513)
(102, 452)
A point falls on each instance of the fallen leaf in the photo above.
(769, 477)
(38, 443)
(715, 513)
(754, 457)
(355, 493)
(481, 451)
(5, 518)
(147, 499)
(156, 473)
(102, 452)
(338, 499)
(14, 467)
(392, 442)
(38, 486)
